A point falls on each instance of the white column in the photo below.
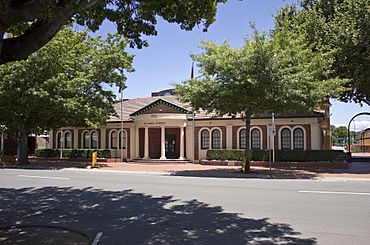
(137, 146)
(181, 143)
(132, 143)
(163, 142)
(229, 137)
(103, 138)
(51, 140)
(146, 143)
(75, 138)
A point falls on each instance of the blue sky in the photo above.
(167, 59)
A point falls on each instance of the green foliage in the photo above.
(37, 21)
(280, 155)
(46, 153)
(186, 13)
(340, 30)
(75, 153)
(236, 155)
(63, 83)
(278, 75)
(340, 132)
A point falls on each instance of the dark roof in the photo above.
(136, 106)
(133, 105)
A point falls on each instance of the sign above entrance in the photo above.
(154, 123)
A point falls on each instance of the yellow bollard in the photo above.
(244, 162)
(94, 158)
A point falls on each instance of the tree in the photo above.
(33, 23)
(62, 84)
(340, 133)
(341, 29)
(265, 75)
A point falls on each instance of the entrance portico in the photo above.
(160, 143)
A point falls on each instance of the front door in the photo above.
(170, 146)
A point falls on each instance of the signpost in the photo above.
(272, 133)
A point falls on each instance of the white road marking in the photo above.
(42, 177)
(97, 238)
(337, 192)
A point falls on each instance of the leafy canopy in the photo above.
(35, 22)
(340, 29)
(277, 74)
(64, 83)
(265, 75)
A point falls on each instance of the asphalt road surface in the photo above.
(139, 208)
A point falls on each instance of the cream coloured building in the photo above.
(161, 127)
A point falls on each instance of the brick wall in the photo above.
(128, 138)
(307, 128)
(236, 135)
(197, 129)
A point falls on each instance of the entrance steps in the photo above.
(161, 161)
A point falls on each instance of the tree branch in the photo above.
(43, 28)
(20, 11)
(40, 33)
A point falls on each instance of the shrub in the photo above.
(46, 153)
(290, 155)
(320, 155)
(236, 155)
(74, 153)
(280, 155)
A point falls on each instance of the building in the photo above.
(162, 127)
(365, 140)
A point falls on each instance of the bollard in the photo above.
(94, 158)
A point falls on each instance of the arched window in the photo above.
(122, 139)
(94, 140)
(242, 137)
(216, 139)
(86, 140)
(286, 143)
(256, 139)
(298, 139)
(113, 140)
(204, 138)
(67, 140)
(59, 140)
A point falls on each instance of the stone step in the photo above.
(161, 161)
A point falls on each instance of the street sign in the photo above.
(272, 130)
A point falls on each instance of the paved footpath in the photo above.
(360, 171)
(356, 170)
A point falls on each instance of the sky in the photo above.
(167, 59)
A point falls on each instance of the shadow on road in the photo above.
(126, 217)
(256, 174)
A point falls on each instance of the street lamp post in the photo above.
(121, 117)
(2, 128)
(193, 136)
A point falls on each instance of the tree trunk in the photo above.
(247, 144)
(23, 148)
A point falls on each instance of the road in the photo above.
(139, 208)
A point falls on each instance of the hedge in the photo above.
(74, 153)
(280, 155)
